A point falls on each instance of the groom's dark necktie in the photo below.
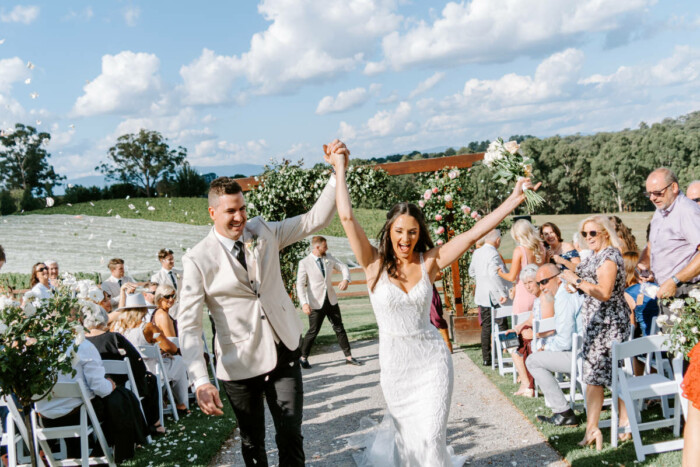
(319, 261)
(240, 254)
(172, 278)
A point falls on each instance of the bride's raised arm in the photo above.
(363, 249)
(452, 250)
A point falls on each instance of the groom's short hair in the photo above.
(222, 186)
(315, 240)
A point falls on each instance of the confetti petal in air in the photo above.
(151, 208)
(109, 212)
(38, 122)
(68, 204)
(34, 95)
(2, 41)
(91, 236)
(117, 216)
(92, 204)
(49, 202)
(72, 126)
(28, 81)
(70, 185)
(132, 207)
(30, 65)
(109, 244)
(127, 197)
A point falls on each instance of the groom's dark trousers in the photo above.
(283, 390)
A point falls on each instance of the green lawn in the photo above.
(565, 440)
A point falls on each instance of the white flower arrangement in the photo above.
(682, 324)
(510, 164)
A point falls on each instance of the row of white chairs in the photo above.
(16, 438)
(661, 380)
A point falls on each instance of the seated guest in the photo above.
(165, 298)
(558, 251)
(53, 272)
(643, 307)
(130, 323)
(114, 346)
(555, 356)
(114, 282)
(628, 242)
(41, 287)
(524, 331)
(168, 275)
(150, 296)
(117, 408)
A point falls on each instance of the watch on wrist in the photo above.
(578, 282)
(676, 280)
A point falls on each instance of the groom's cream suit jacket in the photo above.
(312, 286)
(251, 309)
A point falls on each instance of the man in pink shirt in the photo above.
(674, 237)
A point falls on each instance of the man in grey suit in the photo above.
(236, 272)
(491, 291)
(318, 299)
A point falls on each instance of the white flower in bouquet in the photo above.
(695, 293)
(677, 305)
(95, 294)
(3, 328)
(29, 309)
(7, 302)
(448, 198)
(453, 174)
(509, 164)
(662, 320)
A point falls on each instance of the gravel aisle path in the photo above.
(483, 424)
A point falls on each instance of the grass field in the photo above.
(193, 211)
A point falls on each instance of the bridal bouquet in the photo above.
(510, 165)
(683, 324)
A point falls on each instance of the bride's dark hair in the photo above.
(387, 258)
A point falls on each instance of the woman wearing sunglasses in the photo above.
(165, 296)
(601, 278)
(40, 281)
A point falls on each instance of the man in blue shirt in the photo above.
(555, 355)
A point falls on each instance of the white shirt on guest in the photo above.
(42, 291)
(89, 369)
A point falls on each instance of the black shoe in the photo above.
(304, 363)
(352, 361)
(567, 418)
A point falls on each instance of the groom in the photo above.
(235, 271)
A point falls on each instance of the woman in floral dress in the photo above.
(601, 278)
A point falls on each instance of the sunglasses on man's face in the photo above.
(657, 194)
(592, 233)
(697, 200)
(546, 281)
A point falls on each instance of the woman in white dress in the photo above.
(415, 365)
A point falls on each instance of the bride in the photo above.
(415, 366)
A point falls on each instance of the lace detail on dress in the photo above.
(416, 377)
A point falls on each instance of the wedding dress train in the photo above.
(416, 378)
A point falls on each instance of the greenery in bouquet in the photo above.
(510, 164)
(682, 325)
(447, 212)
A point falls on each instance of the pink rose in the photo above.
(427, 194)
(512, 146)
(438, 217)
(440, 230)
(475, 215)
(466, 209)
(440, 242)
(435, 190)
(448, 198)
(421, 203)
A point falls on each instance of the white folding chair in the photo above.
(123, 367)
(163, 381)
(497, 357)
(577, 390)
(83, 430)
(213, 368)
(632, 388)
(14, 435)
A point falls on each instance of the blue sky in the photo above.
(241, 82)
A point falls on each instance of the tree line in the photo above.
(602, 172)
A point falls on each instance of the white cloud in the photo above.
(497, 30)
(427, 85)
(382, 124)
(131, 15)
(85, 14)
(311, 41)
(20, 14)
(681, 67)
(221, 152)
(345, 100)
(12, 70)
(129, 81)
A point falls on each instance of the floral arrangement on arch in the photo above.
(682, 325)
(448, 213)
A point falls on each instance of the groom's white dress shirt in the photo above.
(112, 286)
(490, 287)
(250, 308)
(312, 285)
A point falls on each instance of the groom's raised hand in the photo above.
(335, 147)
(209, 400)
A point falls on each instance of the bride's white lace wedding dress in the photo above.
(416, 378)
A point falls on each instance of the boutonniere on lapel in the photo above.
(178, 276)
(252, 243)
